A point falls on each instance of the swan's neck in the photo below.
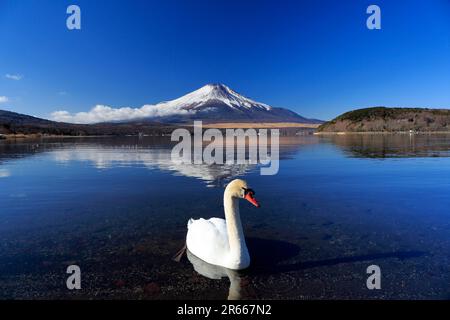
(236, 237)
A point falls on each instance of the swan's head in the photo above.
(239, 189)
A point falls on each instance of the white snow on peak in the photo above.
(185, 105)
(215, 92)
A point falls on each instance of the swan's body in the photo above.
(208, 240)
(221, 241)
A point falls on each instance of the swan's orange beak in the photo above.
(249, 197)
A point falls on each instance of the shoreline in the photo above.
(380, 133)
(38, 136)
(259, 125)
(9, 137)
(220, 126)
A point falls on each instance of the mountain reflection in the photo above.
(103, 157)
(157, 155)
(149, 152)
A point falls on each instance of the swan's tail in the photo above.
(177, 257)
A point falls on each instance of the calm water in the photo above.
(118, 208)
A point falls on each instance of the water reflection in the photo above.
(239, 285)
(155, 153)
(392, 145)
(4, 173)
(104, 158)
(152, 153)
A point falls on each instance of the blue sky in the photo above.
(314, 57)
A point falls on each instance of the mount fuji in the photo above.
(213, 104)
(219, 103)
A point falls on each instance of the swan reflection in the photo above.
(239, 283)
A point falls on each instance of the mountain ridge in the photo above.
(13, 123)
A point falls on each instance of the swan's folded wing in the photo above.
(220, 225)
(207, 238)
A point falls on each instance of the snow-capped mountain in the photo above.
(218, 93)
(210, 103)
(217, 102)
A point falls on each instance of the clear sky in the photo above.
(315, 57)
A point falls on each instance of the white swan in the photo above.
(222, 242)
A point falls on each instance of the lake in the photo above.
(118, 208)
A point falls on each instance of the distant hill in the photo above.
(16, 123)
(382, 119)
